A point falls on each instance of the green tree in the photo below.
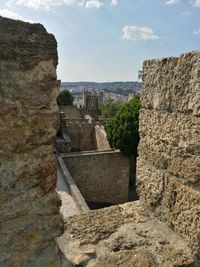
(122, 129)
(110, 107)
(65, 98)
(123, 133)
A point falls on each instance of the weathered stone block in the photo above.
(172, 84)
(126, 235)
(168, 171)
(181, 209)
(29, 215)
(171, 141)
(150, 183)
(171, 200)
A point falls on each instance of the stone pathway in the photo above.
(68, 207)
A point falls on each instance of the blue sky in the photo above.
(107, 40)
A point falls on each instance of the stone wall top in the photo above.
(25, 44)
(172, 84)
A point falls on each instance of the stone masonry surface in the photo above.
(100, 176)
(168, 169)
(125, 235)
(29, 214)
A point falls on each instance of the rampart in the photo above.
(30, 218)
(84, 134)
(169, 152)
(81, 133)
(100, 176)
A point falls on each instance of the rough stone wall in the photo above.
(87, 139)
(168, 169)
(101, 177)
(82, 136)
(29, 213)
(101, 138)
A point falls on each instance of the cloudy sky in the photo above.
(107, 40)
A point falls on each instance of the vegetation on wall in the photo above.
(123, 129)
(110, 107)
(65, 98)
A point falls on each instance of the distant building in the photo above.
(92, 100)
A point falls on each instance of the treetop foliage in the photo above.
(123, 129)
(110, 107)
(65, 98)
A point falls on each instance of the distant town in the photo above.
(115, 90)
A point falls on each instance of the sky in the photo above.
(108, 40)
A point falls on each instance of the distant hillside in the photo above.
(132, 86)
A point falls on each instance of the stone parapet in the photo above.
(29, 215)
(168, 169)
(124, 235)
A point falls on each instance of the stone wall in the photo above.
(84, 134)
(29, 214)
(100, 176)
(168, 169)
(81, 134)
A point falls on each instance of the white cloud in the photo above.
(197, 31)
(185, 13)
(172, 2)
(93, 4)
(50, 4)
(136, 33)
(12, 15)
(196, 3)
(44, 4)
(81, 3)
(114, 2)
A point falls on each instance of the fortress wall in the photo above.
(85, 135)
(82, 136)
(29, 214)
(168, 168)
(101, 177)
(87, 141)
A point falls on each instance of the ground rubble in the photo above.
(122, 235)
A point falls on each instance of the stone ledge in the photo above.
(123, 235)
(75, 192)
